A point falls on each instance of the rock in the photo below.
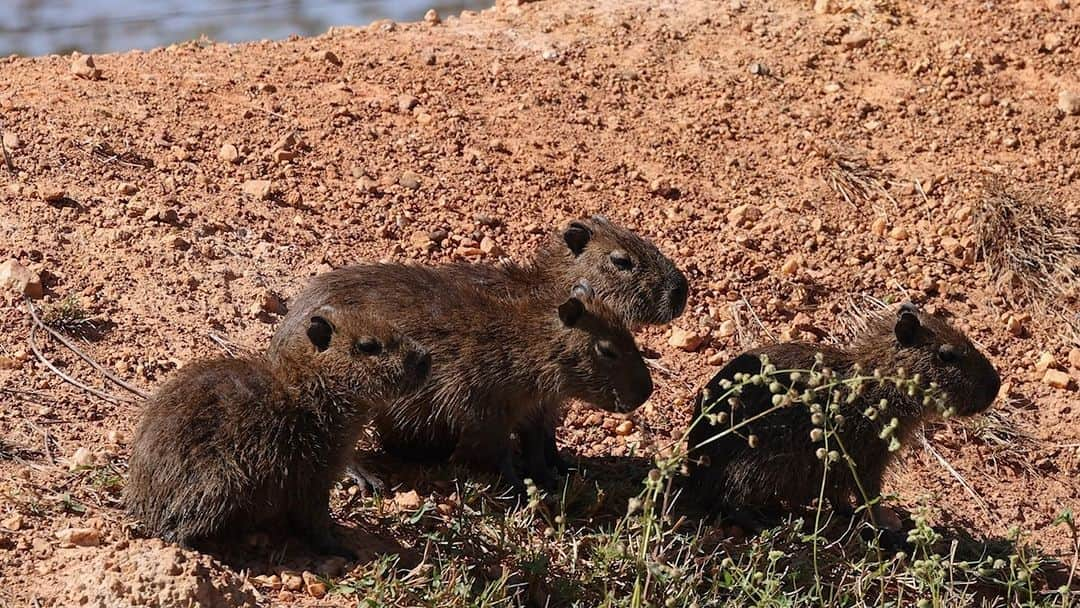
(826, 7)
(114, 436)
(1051, 42)
(280, 156)
(432, 17)
(759, 69)
(953, 247)
(717, 359)
(409, 180)
(1045, 362)
(408, 501)
(686, 340)
(128, 189)
(1057, 5)
(82, 457)
(727, 329)
(898, 233)
(13, 522)
(1074, 358)
(744, 214)
(550, 55)
(879, 226)
(327, 56)
(272, 581)
(51, 194)
(11, 140)
(986, 100)
(1014, 326)
(489, 246)
(1056, 378)
(315, 587)
(80, 537)
(292, 581)
(21, 280)
(257, 188)
(83, 67)
(271, 303)
(406, 103)
(175, 241)
(791, 266)
(1069, 102)
(229, 153)
(421, 240)
(624, 428)
(855, 39)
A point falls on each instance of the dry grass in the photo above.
(852, 177)
(1031, 248)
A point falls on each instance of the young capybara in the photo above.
(498, 359)
(232, 445)
(627, 272)
(776, 462)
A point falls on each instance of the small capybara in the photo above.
(776, 462)
(627, 272)
(498, 359)
(233, 445)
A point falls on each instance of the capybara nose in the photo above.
(677, 297)
(643, 389)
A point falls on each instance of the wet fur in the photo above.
(783, 471)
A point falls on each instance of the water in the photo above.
(38, 27)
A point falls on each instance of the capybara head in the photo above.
(927, 345)
(601, 358)
(628, 272)
(365, 356)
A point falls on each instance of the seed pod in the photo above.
(753, 441)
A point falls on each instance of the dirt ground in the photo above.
(713, 128)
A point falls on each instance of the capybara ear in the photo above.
(582, 289)
(907, 324)
(577, 236)
(319, 332)
(571, 311)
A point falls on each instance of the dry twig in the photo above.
(853, 178)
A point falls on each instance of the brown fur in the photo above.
(783, 471)
(229, 445)
(495, 359)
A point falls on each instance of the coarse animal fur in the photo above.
(231, 445)
(784, 471)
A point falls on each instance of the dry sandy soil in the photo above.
(711, 127)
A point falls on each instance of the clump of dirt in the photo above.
(146, 574)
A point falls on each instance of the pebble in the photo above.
(727, 329)
(257, 188)
(717, 359)
(409, 180)
(327, 56)
(11, 140)
(83, 67)
(406, 103)
(1045, 362)
(82, 457)
(791, 266)
(229, 153)
(1074, 358)
(408, 501)
(1014, 326)
(272, 581)
(420, 240)
(14, 522)
(831, 87)
(312, 584)
(489, 246)
(175, 241)
(759, 69)
(624, 428)
(879, 226)
(898, 233)
(1069, 102)
(1051, 42)
(744, 214)
(855, 39)
(271, 303)
(292, 581)
(953, 247)
(51, 194)
(20, 279)
(826, 7)
(686, 340)
(1056, 378)
(986, 100)
(114, 436)
(81, 537)
(432, 17)
(549, 55)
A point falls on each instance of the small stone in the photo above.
(1051, 42)
(51, 194)
(744, 214)
(13, 522)
(80, 537)
(292, 581)
(953, 247)
(1069, 102)
(21, 280)
(489, 246)
(229, 153)
(327, 56)
(11, 140)
(717, 359)
(409, 180)
(314, 587)
(549, 55)
(406, 103)
(175, 241)
(420, 240)
(271, 303)
(83, 67)
(759, 69)
(432, 17)
(686, 340)
(82, 457)
(855, 39)
(408, 501)
(1045, 362)
(1010, 142)
(1056, 378)
(128, 189)
(879, 226)
(826, 7)
(986, 100)
(114, 436)
(1014, 326)
(281, 156)
(898, 233)
(257, 188)
(286, 597)
(272, 581)
(727, 329)
(1057, 5)
(791, 266)
(1074, 358)
(624, 428)
(831, 87)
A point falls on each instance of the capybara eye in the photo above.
(606, 350)
(621, 259)
(948, 353)
(367, 346)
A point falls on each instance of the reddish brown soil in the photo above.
(525, 117)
